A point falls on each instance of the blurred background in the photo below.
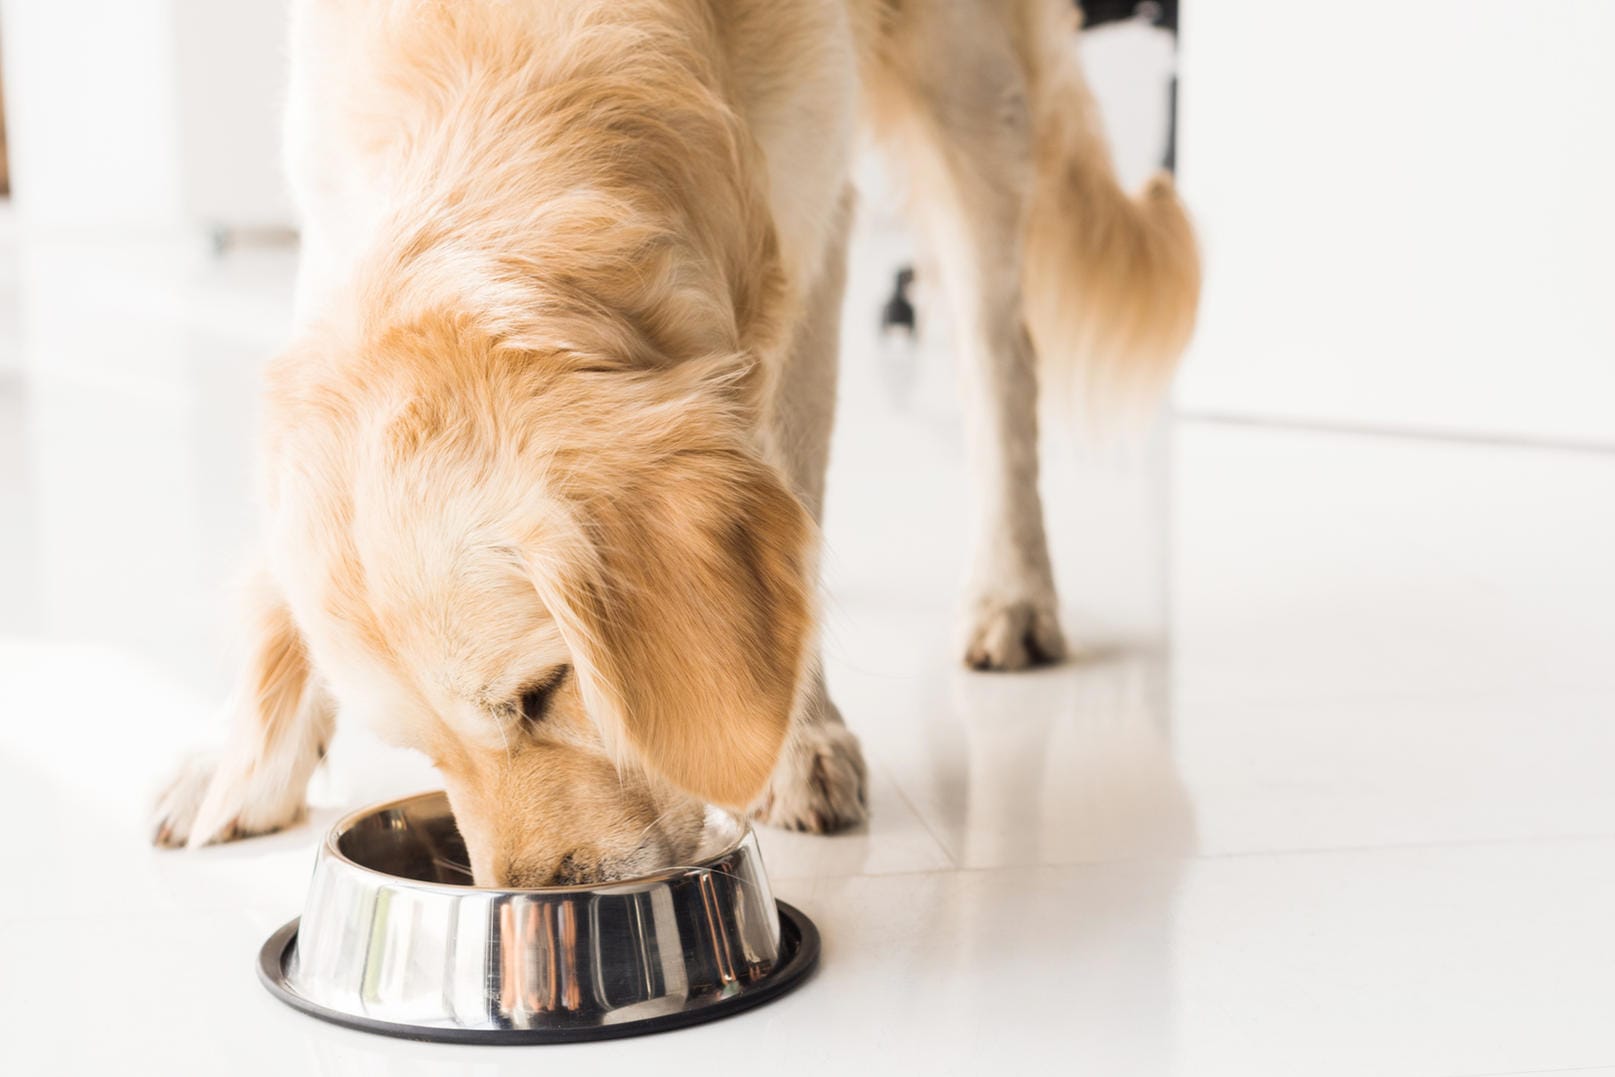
(1329, 789)
(1400, 202)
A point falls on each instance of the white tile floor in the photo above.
(1332, 793)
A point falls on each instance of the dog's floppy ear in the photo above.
(690, 626)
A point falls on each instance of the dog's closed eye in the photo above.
(535, 699)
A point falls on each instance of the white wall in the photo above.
(1407, 212)
(144, 116)
(91, 129)
(232, 73)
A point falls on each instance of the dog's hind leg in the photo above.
(818, 784)
(948, 96)
(281, 721)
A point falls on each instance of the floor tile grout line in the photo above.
(1248, 854)
(1459, 843)
(1290, 699)
(1214, 417)
(925, 824)
(1531, 1073)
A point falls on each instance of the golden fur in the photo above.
(1112, 282)
(541, 469)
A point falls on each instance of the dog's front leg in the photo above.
(281, 719)
(818, 784)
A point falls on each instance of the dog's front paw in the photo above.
(1013, 635)
(818, 785)
(203, 805)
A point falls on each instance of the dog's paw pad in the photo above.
(1014, 635)
(819, 785)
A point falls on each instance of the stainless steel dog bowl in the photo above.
(395, 939)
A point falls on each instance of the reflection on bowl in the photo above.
(395, 939)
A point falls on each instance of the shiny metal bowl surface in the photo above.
(395, 939)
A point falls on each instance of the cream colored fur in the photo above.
(544, 463)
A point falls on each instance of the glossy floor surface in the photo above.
(1330, 791)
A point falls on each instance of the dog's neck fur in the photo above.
(600, 199)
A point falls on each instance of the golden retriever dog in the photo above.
(544, 462)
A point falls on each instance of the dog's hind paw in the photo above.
(204, 805)
(819, 784)
(1013, 635)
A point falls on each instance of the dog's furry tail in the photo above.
(1111, 281)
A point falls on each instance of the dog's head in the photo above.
(576, 588)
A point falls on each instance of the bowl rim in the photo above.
(329, 848)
